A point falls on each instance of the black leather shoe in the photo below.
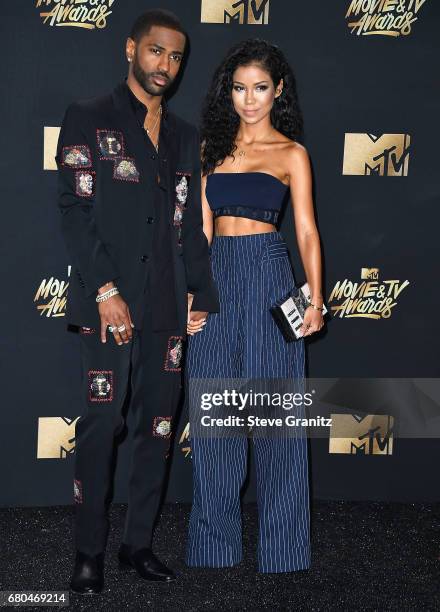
(88, 574)
(145, 562)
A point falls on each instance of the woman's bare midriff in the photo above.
(239, 226)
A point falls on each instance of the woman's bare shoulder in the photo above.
(289, 146)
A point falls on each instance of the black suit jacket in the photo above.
(105, 184)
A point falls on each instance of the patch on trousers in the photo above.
(174, 354)
(125, 170)
(77, 492)
(85, 183)
(162, 427)
(182, 180)
(86, 331)
(110, 144)
(100, 385)
(76, 156)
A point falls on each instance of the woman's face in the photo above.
(253, 93)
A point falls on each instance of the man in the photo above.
(129, 194)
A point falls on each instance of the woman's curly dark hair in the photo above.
(220, 121)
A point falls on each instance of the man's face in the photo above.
(157, 59)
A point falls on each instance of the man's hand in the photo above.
(116, 313)
(196, 319)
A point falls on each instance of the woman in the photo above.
(250, 161)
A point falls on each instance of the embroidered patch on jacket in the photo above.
(86, 331)
(100, 385)
(174, 354)
(77, 492)
(76, 156)
(110, 144)
(181, 188)
(162, 427)
(125, 170)
(85, 183)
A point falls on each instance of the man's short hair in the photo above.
(155, 17)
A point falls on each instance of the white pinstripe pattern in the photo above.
(242, 341)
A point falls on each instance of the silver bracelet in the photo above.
(103, 297)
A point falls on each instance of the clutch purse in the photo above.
(288, 312)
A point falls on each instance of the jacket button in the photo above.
(144, 258)
(153, 157)
(150, 219)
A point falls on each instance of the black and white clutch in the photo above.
(288, 312)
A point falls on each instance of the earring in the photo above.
(129, 59)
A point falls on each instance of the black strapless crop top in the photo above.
(254, 195)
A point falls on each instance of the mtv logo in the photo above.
(386, 155)
(356, 435)
(50, 147)
(56, 437)
(369, 273)
(251, 12)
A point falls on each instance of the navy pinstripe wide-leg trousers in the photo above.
(242, 341)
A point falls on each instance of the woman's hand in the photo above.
(313, 321)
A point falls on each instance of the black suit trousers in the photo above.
(151, 363)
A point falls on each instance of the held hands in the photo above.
(114, 312)
(196, 319)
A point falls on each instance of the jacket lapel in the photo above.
(170, 153)
(134, 139)
(136, 147)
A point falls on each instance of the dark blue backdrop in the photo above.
(347, 84)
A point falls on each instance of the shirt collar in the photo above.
(139, 108)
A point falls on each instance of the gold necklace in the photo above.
(151, 130)
(241, 154)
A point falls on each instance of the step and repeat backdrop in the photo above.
(369, 92)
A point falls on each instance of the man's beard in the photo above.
(145, 80)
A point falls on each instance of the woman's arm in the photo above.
(306, 233)
(305, 227)
(208, 217)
